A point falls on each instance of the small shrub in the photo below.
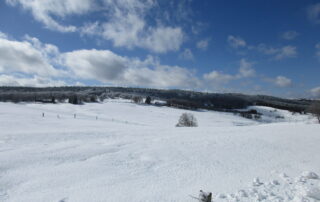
(253, 111)
(187, 120)
(74, 100)
(314, 108)
(246, 115)
(257, 116)
(93, 98)
(137, 99)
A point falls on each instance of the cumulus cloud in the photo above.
(313, 13)
(203, 44)
(163, 39)
(50, 12)
(161, 76)
(236, 42)
(127, 27)
(122, 22)
(48, 51)
(126, 22)
(110, 68)
(186, 54)
(25, 57)
(315, 92)
(102, 65)
(245, 70)
(35, 81)
(218, 77)
(282, 81)
(32, 63)
(289, 35)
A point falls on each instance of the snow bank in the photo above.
(283, 188)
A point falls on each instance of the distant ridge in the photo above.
(200, 100)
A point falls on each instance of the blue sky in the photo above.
(249, 46)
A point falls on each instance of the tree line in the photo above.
(173, 97)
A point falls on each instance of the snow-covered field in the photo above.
(119, 151)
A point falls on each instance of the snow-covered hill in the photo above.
(119, 151)
(271, 115)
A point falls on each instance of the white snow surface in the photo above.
(120, 151)
(271, 115)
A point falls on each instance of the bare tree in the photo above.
(314, 108)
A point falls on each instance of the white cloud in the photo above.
(124, 28)
(123, 22)
(278, 53)
(49, 12)
(91, 29)
(313, 13)
(267, 50)
(102, 65)
(127, 27)
(246, 69)
(289, 35)
(236, 42)
(25, 57)
(218, 77)
(161, 76)
(315, 91)
(110, 68)
(198, 27)
(35, 81)
(203, 44)
(186, 54)
(32, 63)
(163, 39)
(282, 81)
(151, 73)
(317, 46)
(3, 35)
(286, 52)
(48, 51)
(28, 63)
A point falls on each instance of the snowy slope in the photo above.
(270, 115)
(120, 151)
